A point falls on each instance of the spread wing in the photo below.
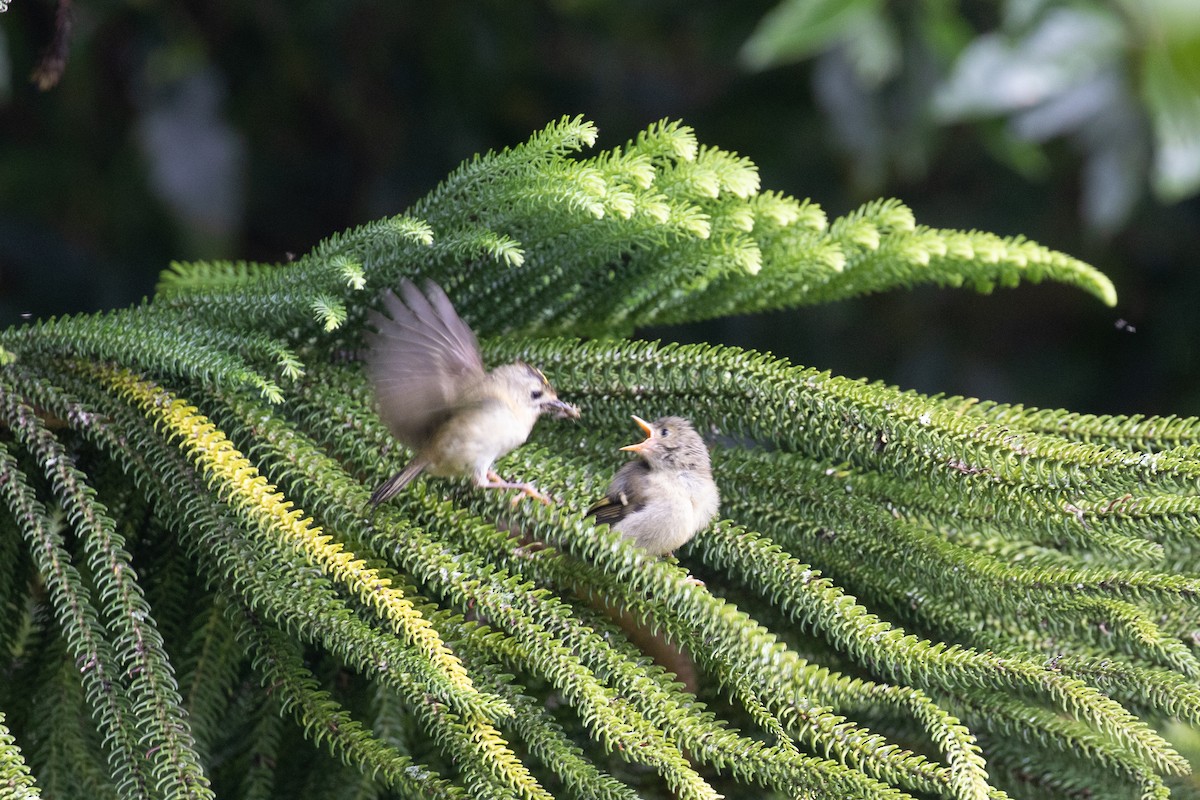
(421, 358)
(623, 496)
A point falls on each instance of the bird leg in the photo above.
(491, 480)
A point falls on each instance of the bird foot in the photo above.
(528, 490)
(694, 581)
(494, 481)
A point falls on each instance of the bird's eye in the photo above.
(664, 432)
(536, 394)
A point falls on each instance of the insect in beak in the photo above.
(561, 410)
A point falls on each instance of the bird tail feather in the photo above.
(388, 489)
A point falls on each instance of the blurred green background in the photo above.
(252, 130)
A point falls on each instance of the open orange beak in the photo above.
(646, 429)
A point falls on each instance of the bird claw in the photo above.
(529, 490)
(494, 481)
(694, 581)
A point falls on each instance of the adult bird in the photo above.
(437, 398)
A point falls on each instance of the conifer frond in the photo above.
(14, 773)
(329, 312)
(70, 762)
(240, 485)
(163, 342)
(161, 725)
(536, 727)
(911, 596)
(86, 640)
(209, 664)
(281, 666)
(191, 276)
(1137, 432)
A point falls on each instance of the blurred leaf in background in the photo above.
(1119, 80)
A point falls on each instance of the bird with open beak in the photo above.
(436, 397)
(665, 496)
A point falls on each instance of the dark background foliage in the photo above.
(252, 130)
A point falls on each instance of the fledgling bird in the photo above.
(667, 495)
(436, 397)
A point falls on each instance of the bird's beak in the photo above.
(561, 410)
(646, 429)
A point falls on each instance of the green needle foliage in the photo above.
(910, 596)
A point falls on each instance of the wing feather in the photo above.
(421, 358)
(623, 496)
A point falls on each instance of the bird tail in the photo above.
(388, 489)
